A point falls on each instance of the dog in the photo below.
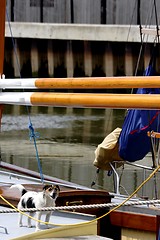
(31, 199)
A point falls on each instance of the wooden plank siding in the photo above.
(81, 11)
(131, 220)
(60, 55)
(62, 58)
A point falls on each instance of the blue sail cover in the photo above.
(134, 143)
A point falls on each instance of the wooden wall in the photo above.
(67, 58)
(82, 11)
(64, 58)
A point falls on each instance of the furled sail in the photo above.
(107, 151)
(134, 143)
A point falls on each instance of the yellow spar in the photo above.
(84, 100)
(99, 82)
(140, 101)
(82, 83)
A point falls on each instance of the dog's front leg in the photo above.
(48, 214)
(39, 214)
(29, 219)
(20, 220)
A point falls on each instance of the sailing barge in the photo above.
(122, 223)
(136, 221)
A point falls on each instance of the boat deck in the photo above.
(69, 195)
(9, 228)
(9, 221)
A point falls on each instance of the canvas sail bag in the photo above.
(107, 151)
(134, 143)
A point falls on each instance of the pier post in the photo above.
(128, 61)
(34, 59)
(69, 59)
(147, 56)
(108, 61)
(87, 59)
(50, 56)
(16, 59)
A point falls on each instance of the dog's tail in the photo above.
(20, 188)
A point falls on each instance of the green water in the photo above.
(66, 141)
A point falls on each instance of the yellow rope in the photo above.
(91, 221)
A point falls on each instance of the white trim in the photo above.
(26, 83)
(16, 98)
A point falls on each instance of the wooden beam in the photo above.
(2, 32)
(141, 101)
(82, 83)
(144, 222)
(153, 134)
(2, 38)
(99, 83)
(82, 100)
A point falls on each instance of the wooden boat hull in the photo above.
(115, 225)
(138, 225)
(68, 197)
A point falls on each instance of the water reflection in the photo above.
(66, 144)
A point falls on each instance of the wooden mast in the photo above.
(2, 38)
(2, 32)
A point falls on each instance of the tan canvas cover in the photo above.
(107, 151)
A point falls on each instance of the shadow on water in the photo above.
(67, 139)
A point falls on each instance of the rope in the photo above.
(79, 207)
(148, 20)
(157, 24)
(96, 219)
(13, 42)
(33, 136)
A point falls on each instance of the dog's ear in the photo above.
(57, 187)
(46, 186)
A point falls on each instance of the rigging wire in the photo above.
(13, 43)
(154, 142)
(156, 16)
(32, 134)
(142, 36)
(130, 25)
(142, 49)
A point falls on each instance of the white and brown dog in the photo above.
(31, 199)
